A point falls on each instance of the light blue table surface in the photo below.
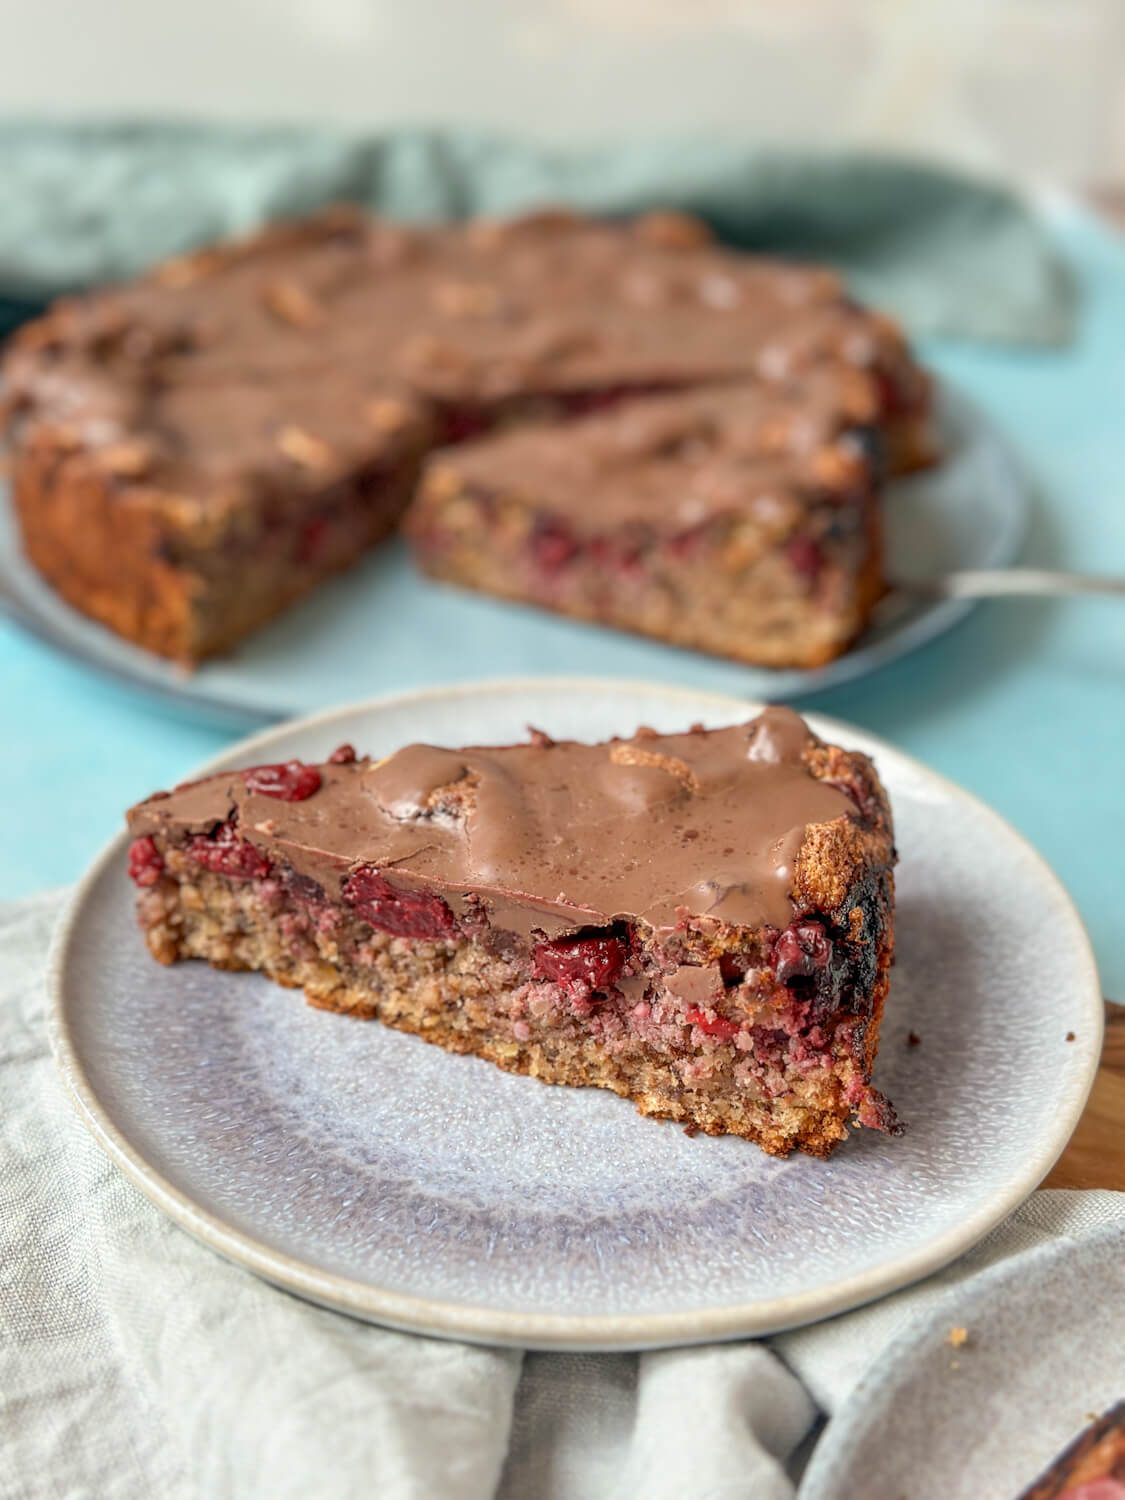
(1023, 703)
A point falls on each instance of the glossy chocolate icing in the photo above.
(323, 345)
(672, 462)
(552, 836)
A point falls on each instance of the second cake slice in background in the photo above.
(740, 520)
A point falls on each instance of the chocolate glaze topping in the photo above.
(327, 343)
(674, 461)
(552, 836)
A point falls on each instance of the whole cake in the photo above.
(1092, 1467)
(701, 922)
(193, 451)
(740, 520)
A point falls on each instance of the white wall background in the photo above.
(1030, 86)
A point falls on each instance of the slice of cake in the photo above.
(1092, 1467)
(701, 922)
(195, 450)
(740, 520)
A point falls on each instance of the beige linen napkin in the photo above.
(137, 1365)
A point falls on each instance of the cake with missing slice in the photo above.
(195, 450)
(701, 922)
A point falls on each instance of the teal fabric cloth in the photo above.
(83, 204)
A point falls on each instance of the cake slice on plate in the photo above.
(701, 922)
(742, 520)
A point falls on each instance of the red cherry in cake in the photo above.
(687, 544)
(800, 950)
(590, 963)
(145, 863)
(552, 547)
(312, 540)
(718, 1027)
(291, 782)
(403, 913)
(343, 755)
(806, 556)
(459, 423)
(225, 853)
(615, 556)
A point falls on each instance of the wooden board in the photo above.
(1095, 1157)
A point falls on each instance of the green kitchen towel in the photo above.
(946, 253)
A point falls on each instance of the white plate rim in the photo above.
(477, 1324)
(963, 1304)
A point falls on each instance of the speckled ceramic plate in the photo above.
(382, 626)
(1045, 1354)
(374, 1173)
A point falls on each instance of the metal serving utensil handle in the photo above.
(997, 583)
